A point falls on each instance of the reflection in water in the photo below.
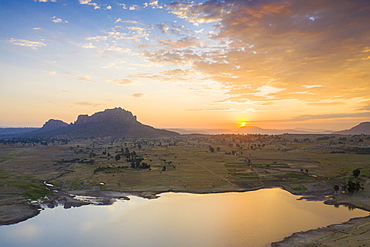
(254, 218)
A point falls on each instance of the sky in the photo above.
(187, 64)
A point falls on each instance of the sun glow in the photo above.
(243, 124)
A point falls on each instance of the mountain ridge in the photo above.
(115, 122)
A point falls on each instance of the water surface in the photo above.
(254, 218)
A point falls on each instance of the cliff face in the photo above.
(109, 115)
(115, 122)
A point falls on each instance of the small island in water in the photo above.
(110, 155)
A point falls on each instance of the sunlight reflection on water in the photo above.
(254, 218)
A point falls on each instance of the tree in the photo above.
(117, 157)
(356, 173)
(336, 188)
(211, 149)
(353, 186)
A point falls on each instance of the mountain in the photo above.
(362, 128)
(53, 124)
(115, 122)
(50, 125)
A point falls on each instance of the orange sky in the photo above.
(187, 64)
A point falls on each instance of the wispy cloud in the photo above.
(331, 116)
(364, 106)
(123, 81)
(138, 95)
(88, 46)
(85, 103)
(45, 1)
(27, 43)
(81, 77)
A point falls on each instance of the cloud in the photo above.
(186, 42)
(129, 21)
(207, 12)
(365, 106)
(98, 38)
(123, 5)
(163, 27)
(119, 49)
(51, 72)
(85, 103)
(81, 77)
(27, 43)
(331, 116)
(311, 86)
(84, 78)
(88, 46)
(88, 2)
(267, 91)
(308, 51)
(123, 81)
(214, 109)
(57, 20)
(37, 28)
(134, 7)
(45, 1)
(176, 72)
(138, 95)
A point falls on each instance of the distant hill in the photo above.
(13, 132)
(200, 131)
(362, 128)
(251, 130)
(115, 122)
(258, 130)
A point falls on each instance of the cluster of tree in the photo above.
(34, 141)
(352, 186)
(135, 160)
(87, 161)
(107, 168)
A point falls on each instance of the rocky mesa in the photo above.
(115, 122)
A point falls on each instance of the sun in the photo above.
(243, 124)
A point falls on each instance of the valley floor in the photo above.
(307, 165)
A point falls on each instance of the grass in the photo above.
(30, 189)
(299, 188)
(298, 175)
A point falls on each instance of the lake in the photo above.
(254, 218)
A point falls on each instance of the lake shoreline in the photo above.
(324, 235)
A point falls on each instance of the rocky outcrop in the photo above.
(109, 115)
